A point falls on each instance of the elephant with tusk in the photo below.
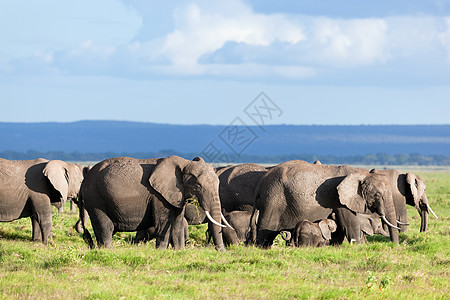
(296, 190)
(126, 194)
(408, 189)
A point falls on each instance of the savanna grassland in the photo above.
(419, 267)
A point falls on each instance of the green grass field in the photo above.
(419, 267)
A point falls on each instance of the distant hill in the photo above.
(134, 137)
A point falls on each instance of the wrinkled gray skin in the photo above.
(240, 221)
(366, 224)
(357, 228)
(143, 236)
(407, 189)
(296, 190)
(126, 194)
(237, 186)
(78, 227)
(29, 188)
(314, 234)
(236, 190)
(193, 215)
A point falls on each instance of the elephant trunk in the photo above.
(214, 210)
(423, 211)
(390, 218)
(424, 220)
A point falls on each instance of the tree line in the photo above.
(367, 159)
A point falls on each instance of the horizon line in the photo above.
(206, 124)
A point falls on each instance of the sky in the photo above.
(206, 62)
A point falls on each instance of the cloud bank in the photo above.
(216, 39)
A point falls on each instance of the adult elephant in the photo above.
(408, 189)
(236, 190)
(126, 194)
(28, 188)
(296, 190)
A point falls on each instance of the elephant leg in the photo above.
(73, 207)
(163, 238)
(178, 231)
(45, 224)
(350, 225)
(103, 228)
(36, 229)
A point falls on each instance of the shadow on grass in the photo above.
(385, 239)
(15, 236)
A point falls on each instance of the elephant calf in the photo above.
(240, 221)
(315, 234)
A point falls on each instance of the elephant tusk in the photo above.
(226, 222)
(352, 241)
(212, 220)
(429, 208)
(286, 235)
(387, 222)
(401, 223)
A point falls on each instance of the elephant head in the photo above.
(371, 224)
(364, 193)
(177, 179)
(411, 188)
(416, 196)
(65, 179)
(327, 227)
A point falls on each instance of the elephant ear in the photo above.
(58, 175)
(350, 193)
(86, 170)
(327, 227)
(167, 180)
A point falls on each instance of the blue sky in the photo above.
(203, 62)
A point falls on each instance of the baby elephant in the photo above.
(315, 234)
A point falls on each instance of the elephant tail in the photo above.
(86, 234)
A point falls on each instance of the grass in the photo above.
(419, 267)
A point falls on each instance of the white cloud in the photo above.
(215, 39)
(349, 42)
(200, 31)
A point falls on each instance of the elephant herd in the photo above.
(308, 204)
